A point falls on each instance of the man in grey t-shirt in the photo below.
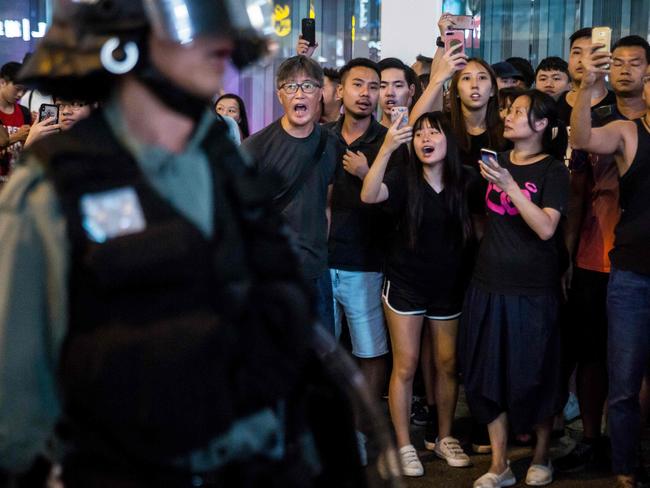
(291, 148)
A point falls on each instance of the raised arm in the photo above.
(303, 48)
(373, 189)
(443, 67)
(601, 140)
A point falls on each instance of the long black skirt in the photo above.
(509, 356)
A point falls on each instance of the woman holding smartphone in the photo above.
(509, 342)
(473, 102)
(426, 269)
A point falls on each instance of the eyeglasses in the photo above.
(72, 105)
(306, 87)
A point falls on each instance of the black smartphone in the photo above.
(309, 31)
(48, 110)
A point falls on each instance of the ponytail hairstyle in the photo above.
(454, 181)
(493, 123)
(554, 138)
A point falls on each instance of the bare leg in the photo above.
(498, 431)
(444, 333)
(405, 332)
(427, 365)
(374, 370)
(591, 382)
(543, 430)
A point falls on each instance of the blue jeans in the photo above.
(324, 301)
(628, 313)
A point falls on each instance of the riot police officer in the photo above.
(150, 305)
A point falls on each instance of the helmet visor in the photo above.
(183, 21)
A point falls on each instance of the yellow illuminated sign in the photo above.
(282, 20)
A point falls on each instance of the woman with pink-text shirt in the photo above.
(509, 342)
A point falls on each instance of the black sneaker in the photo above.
(419, 412)
(431, 429)
(480, 439)
(430, 435)
(577, 460)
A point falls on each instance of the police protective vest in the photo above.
(173, 335)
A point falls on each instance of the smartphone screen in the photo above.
(453, 38)
(309, 31)
(48, 110)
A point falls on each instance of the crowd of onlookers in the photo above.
(483, 224)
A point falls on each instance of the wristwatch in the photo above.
(439, 42)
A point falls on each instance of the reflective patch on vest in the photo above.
(111, 214)
(259, 434)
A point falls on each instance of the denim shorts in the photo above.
(357, 294)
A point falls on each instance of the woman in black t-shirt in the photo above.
(426, 269)
(509, 336)
(474, 111)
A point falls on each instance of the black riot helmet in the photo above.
(90, 42)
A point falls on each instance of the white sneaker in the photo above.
(411, 465)
(539, 475)
(491, 480)
(449, 449)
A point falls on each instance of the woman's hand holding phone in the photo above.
(453, 60)
(492, 171)
(395, 136)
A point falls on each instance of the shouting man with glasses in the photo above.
(304, 155)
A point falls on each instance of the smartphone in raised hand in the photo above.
(48, 110)
(453, 38)
(396, 112)
(602, 35)
(309, 31)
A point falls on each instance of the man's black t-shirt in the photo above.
(512, 259)
(358, 230)
(440, 263)
(564, 109)
(273, 150)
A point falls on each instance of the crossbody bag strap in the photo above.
(281, 203)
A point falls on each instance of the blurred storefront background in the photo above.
(532, 29)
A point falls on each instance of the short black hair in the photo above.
(9, 71)
(525, 68)
(553, 63)
(634, 41)
(579, 34)
(509, 93)
(333, 74)
(424, 59)
(356, 63)
(395, 63)
(299, 64)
